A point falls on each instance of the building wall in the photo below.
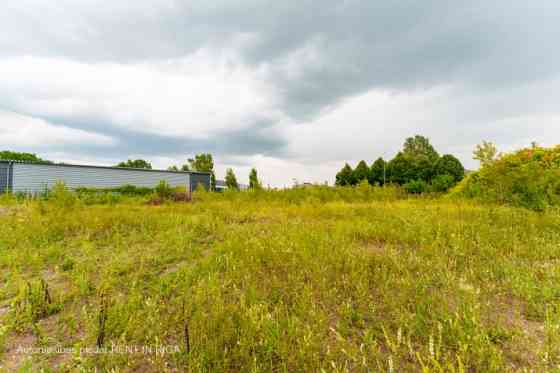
(4, 177)
(36, 178)
(197, 179)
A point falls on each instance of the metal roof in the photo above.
(102, 167)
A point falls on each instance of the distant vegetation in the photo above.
(203, 162)
(25, 157)
(417, 167)
(137, 163)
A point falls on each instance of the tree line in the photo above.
(418, 167)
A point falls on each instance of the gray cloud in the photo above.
(356, 45)
(254, 139)
(313, 56)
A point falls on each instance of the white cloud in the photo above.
(18, 131)
(195, 96)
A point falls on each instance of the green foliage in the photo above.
(300, 280)
(254, 182)
(415, 162)
(416, 187)
(361, 172)
(201, 162)
(526, 178)
(35, 302)
(402, 169)
(163, 190)
(24, 157)
(449, 165)
(485, 153)
(173, 168)
(442, 183)
(61, 196)
(212, 181)
(137, 163)
(419, 146)
(378, 172)
(231, 180)
(345, 176)
(126, 190)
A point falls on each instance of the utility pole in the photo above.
(384, 173)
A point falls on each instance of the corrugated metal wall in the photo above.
(4, 177)
(36, 178)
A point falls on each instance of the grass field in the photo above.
(303, 280)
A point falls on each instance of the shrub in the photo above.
(163, 190)
(442, 183)
(416, 187)
(61, 196)
(526, 178)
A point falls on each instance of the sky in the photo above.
(295, 88)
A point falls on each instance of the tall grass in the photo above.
(308, 279)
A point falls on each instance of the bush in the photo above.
(163, 190)
(416, 187)
(526, 178)
(442, 183)
(61, 196)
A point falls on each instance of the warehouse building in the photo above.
(33, 178)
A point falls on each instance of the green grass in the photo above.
(301, 280)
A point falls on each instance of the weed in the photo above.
(307, 279)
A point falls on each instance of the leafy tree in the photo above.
(24, 157)
(202, 162)
(416, 187)
(485, 153)
(449, 165)
(415, 162)
(442, 183)
(345, 176)
(254, 182)
(137, 163)
(378, 172)
(173, 168)
(231, 180)
(185, 168)
(361, 172)
(420, 146)
(402, 169)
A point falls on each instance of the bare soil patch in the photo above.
(14, 357)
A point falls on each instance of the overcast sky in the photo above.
(294, 88)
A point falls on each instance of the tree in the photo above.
(254, 182)
(173, 168)
(137, 163)
(203, 163)
(485, 153)
(23, 157)
(185, 168)
(402, 169)
(449, 165)
(378, 172)
(442, 183)
(420, 146)
(231, 180)
(361, 172)
(345, 176)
